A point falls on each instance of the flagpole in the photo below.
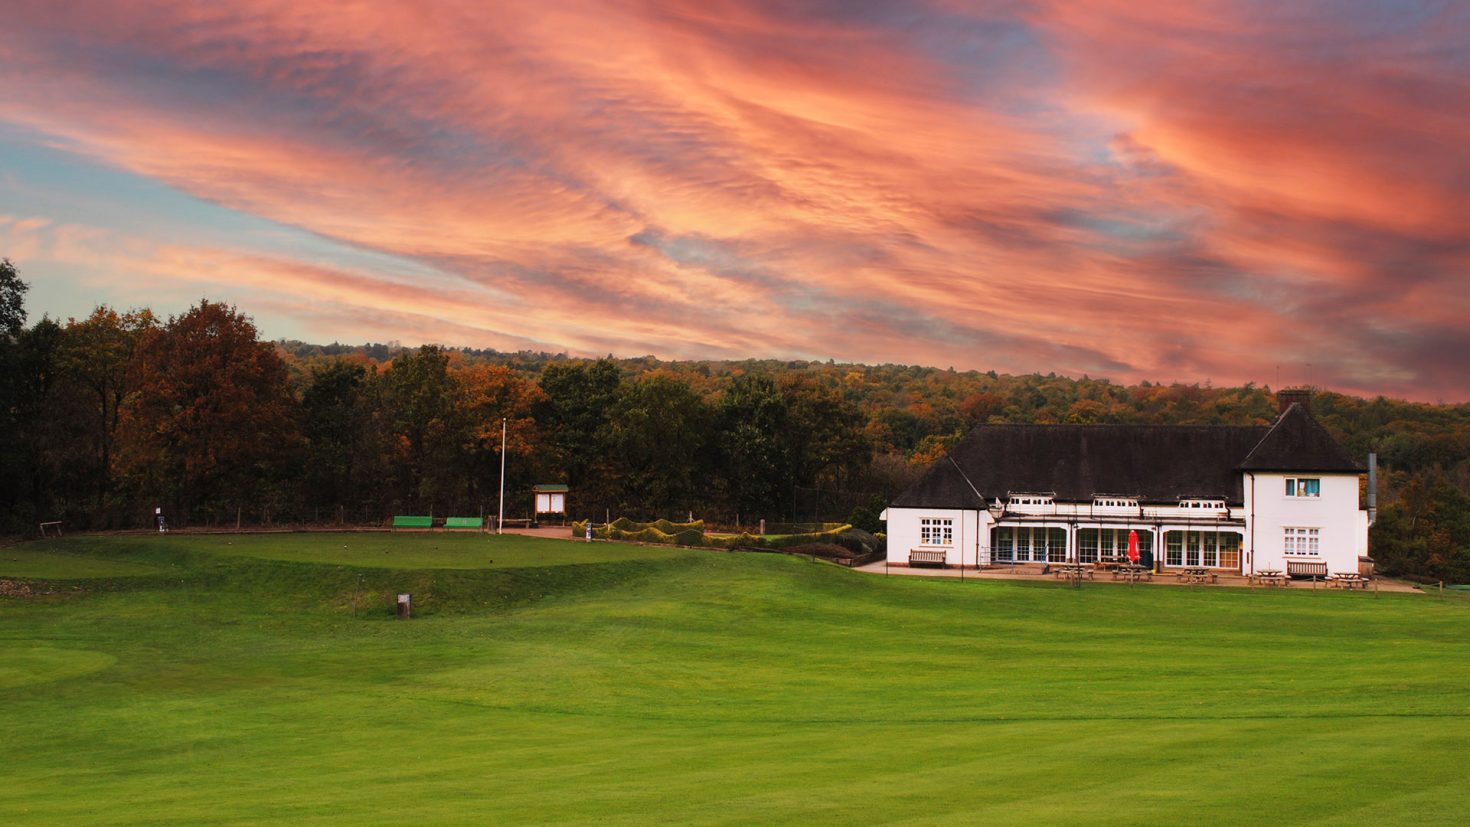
(500, 518)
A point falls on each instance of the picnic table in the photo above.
(1196, 574)
(1132, 572)
(1072, 571)
(1347, 581)
(1269, 577)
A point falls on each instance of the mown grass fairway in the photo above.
(705, 687)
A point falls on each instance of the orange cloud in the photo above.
(1140, 190)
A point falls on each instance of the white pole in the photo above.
(500, 520)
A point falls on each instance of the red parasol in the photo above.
(1133, 547)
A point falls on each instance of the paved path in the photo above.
(1383, 584)
(557, 532)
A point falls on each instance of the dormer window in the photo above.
(1032, 500)
(1202, 505)
(1114, 502)
(1303, 487)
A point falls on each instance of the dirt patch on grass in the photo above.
(22, 590)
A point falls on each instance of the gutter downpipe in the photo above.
(1372, 489)
(1252, 518)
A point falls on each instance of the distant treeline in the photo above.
(110, 416)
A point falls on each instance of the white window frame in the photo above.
(1208, 505)
(1302, 541)
(936, 531)
(1296, 487)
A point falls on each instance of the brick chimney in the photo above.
(1287, 396)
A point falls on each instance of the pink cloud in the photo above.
(1135, 190)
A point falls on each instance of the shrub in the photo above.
(858, 541)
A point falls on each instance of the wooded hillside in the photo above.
(111, 416)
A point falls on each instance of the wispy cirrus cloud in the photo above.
(1136, 190)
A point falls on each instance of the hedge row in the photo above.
(659, 531)
(802, 528)
(856, 541)
(778, 541)
(692, 534)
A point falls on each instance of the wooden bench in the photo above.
(464, 523)
(928, 557)
(1306, 568)
(404, 521)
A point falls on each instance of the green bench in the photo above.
(464, 523)
(413, 522)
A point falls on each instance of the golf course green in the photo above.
(249, 679)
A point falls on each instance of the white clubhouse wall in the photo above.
(1335, 514)
(903, 533)
(1342, 525)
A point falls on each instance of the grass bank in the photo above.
(217, 679)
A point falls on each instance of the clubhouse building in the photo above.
(1233, 499)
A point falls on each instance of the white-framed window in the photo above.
(936, 531)
(1202, 549)
(1203, 505)
(1303, 487)
(1094, 544)
(1025, 544)
(1033, 499)
(1114, 502)
(1301, 541)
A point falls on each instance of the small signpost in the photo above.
(405, 608)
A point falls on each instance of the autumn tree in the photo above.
(211, 422)
(486, 395)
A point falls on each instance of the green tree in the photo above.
(660, 437)
(332, 422)
(574, 418)
(12, 300)
(753, 455)
(95, 360)
(419, 397)
(31, 445)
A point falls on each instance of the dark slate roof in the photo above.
(1297, 442)
(942, 486)
(1156, 463)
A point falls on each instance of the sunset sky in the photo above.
(1137, 189)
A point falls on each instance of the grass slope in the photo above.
(713, 688)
